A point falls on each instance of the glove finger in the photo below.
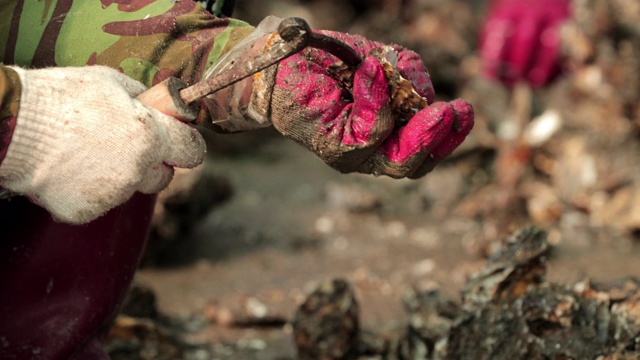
(462, 125)
(506, 38)
(429, 136)
(494, 45)
(404, 150)
(546, 64)
(411, 67)
(369, 121)
(186, 147)
(522, 46)
(157, 177)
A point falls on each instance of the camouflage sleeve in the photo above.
(9, 103)
(147, 40)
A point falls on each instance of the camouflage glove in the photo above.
(356, 131)
(520, 40)
(83, 144)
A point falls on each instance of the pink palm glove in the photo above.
(520, 40)
(357, 131)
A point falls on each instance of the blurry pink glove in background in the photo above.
(520, 40)
(357, 131)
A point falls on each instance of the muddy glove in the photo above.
(520, 40)
(83, 144)
(357, 131)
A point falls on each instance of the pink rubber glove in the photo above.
(520, 40)
(357, 132)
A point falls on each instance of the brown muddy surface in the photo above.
(228, 285)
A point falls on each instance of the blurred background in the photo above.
(240, 243)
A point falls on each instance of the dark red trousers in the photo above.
(61, 285)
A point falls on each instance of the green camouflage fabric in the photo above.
(147, 40)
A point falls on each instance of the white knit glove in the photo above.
(83, 144)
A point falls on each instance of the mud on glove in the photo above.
(355, 130)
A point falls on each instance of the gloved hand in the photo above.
(83, 144)
(358, 131)
(520, 40)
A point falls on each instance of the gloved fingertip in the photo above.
(156, 179)
(547, 65)
(411, 67)
(187, 147)
(193, 155)
(198, 151)
(370, 69)
(438, 115)
(464, 116)
(370, 85)
(463, 120)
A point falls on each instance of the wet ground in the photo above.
(243, 254)
(234, 281)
